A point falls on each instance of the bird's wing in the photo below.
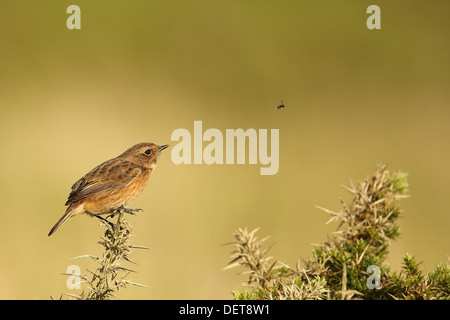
(110, 175)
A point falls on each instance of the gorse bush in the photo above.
(341, 267)
(111, 273)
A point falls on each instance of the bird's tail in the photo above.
(70, 212)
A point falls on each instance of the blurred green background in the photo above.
(137, 70)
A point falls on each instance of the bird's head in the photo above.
(144, 154)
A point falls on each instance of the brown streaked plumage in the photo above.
(112, 184)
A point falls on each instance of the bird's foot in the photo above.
(131, 211)
(126, 210)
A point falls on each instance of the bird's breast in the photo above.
(137, 185)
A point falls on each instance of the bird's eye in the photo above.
(148, 152)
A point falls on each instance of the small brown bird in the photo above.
(113, 184)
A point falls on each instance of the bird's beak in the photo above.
(163, 147)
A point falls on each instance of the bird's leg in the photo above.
(112, 215)
(104, 220)
(117, 211)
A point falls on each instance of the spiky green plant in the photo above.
(111, 273)
(339, 267)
